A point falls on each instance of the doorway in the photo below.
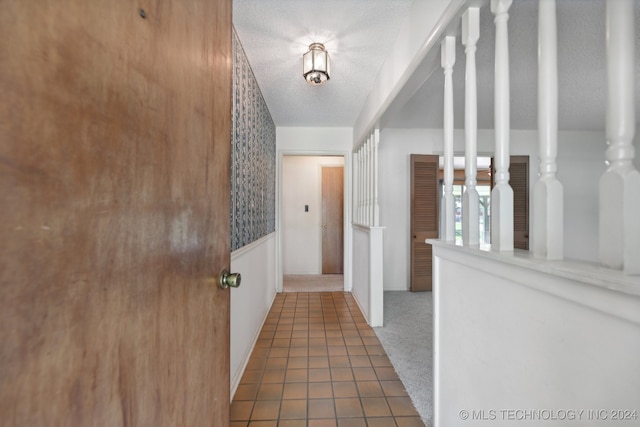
(312, 222)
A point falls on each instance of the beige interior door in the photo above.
(114, 218)
(424, 219)
(332, 220)
(519, 182)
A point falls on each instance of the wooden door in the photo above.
(114, 218)
(332, 220)
(519, 182)
(424, 218)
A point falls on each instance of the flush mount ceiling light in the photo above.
(315, 64)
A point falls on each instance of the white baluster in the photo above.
(376, 212)
(365, 178)
(548, 228)
(359, 186)
(373, 180)
(362, 186)
(620, 184)
(502, 193)
(470, 198)
(356, 194)
(368, 182)
(448, 58)
(370, 179)
(368, 151)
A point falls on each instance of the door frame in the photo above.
(346, 220)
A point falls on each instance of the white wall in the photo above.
(523, 334)
(313, 140)
(251, 302)
(302, 231)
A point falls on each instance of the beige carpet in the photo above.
(312, 282)
(407, 337)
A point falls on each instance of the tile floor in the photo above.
(318, 364)
(312, 283)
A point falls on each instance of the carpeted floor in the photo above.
(407, 337)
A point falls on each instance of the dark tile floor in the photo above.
(318, 364)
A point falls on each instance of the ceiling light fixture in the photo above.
(315, 64)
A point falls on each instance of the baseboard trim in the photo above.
(365, 313)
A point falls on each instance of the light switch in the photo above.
(306, 208)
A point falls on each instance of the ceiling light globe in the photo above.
(315, 64)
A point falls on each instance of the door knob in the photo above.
(324, 225)
(229, 279)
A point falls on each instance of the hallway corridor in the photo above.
(318, 364)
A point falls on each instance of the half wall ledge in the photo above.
(589, 284)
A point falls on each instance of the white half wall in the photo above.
(368, 273)
(523, 341)
(301, 230)
(250, 303)
(360, 289)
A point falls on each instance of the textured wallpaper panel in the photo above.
(253, 157)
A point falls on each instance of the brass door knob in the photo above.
(229, 279)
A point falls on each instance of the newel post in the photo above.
(548, 209)
(502, 193)
(620, 185)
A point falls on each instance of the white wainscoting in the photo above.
(516, 333)
(250, 303)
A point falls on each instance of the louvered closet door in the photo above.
(424, 218)
(519, 182)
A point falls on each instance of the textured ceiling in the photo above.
(581, 75)
(358, 35)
